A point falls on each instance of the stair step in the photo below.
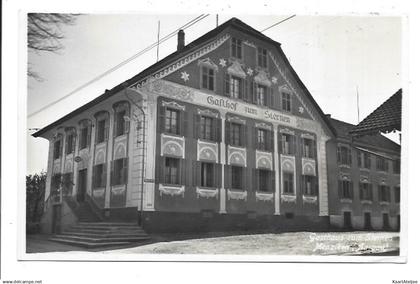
(87, 244)
(102, 240)
(108, 235)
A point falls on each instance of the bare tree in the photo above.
(45, 33)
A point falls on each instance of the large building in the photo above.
(221, 134)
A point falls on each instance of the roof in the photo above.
(373, 141)
(233, 22)
(386, 118)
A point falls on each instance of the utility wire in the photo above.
(275, 24)
(185, 26)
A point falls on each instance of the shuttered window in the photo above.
(207, 175)
(264, 180)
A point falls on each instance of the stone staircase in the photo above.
(101, 234)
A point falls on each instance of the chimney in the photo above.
(181, 40)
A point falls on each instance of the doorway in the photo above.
(368, 224)
(385, 221)
(81, 188)
(347, 220)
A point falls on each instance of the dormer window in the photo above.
(207, 78)
(262, 59)
(236, 48)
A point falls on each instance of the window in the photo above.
(236, 87)
(286, 102)
(70, 142)
(172, 121)
(119, 171)
(101, 126)
(207, 128)
(346, 189)
(261, 95)
(236, 46)
(84, 132)
(207, 78)
(262, 57)
(384, 193)
(287, 144)
(397, 194)
(344, 155)
(381, 164)
(365, 191)
(264, 180)
(288, 183)
(308, 148)
(235, 134)
(57, 149)
(309, 185)
(172, 171)
(396, 166)
(207, 175)
(99, 175)
(262, 140)
(119, 123)
(237, 177)
(363, 160)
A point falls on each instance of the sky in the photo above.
(334, 56)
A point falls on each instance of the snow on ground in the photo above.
(298, 243)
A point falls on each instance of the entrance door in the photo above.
(81, 188)
(385, 221)
(368, 224)
(347, 220)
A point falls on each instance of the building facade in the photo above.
(222, 134)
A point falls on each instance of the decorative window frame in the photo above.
(236, 119)
(207, 192)
(286, 131)
(263, 125)
(263, 78)
(173, 105)
(207, 112)
(236, 70)
(234, 194)
(171, 190)
(264, 196)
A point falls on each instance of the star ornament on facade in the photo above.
(301, 109)
(185, 76)
(249, 71)
(222, 62)
(274, 80)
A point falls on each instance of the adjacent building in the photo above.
(221, 134)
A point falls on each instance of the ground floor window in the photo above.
(309, 185)
(99, 175)
(288, 184)
(119, 171)
(237, 177)
(207, 175)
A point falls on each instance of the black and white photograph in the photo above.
(152, 137)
